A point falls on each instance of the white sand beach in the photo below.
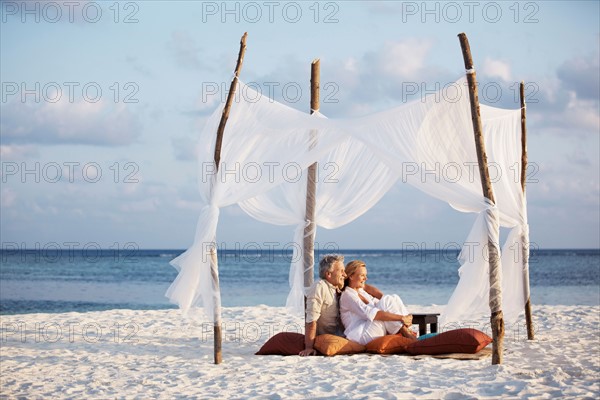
(159, 354)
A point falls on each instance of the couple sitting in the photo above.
(365, 312)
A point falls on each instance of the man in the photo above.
(322, 310)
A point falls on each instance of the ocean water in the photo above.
(76, 280)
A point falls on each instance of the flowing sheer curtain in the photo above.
(428, 144)
(265, 144)
(350, 181)
(470, 299)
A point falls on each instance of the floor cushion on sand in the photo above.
(389, 344)
(283, 344)
(466, 340)
(330, 345)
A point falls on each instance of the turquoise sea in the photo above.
(77, 280)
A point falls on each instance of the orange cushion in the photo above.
(389, 344)
(466, 340)
(330, 345)
(283, 344)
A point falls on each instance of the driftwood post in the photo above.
(525, 239)
(496, 320)
(214, 268)
(311, 185)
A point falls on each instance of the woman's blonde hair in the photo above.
(351, 268)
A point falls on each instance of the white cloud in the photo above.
(350, 65)
(139, 67)
(212, 94)
(582, 75)
(403, 59)
(10, 152)
(348, 75)
(44, 209)
(185, 50)
(8, 196)
(368, 82)
(185, 148)
(361, 108)
(383, 7)
(579, 157)
(131, 189)
(582, 114)
(144, 206)
(563, 112)
(188, 205)
(568, 103)
(496, 69)
(64, 122)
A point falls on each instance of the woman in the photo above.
(365, 317)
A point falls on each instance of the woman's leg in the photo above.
(372, 330)
(393, 303)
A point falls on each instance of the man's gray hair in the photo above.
(326, 263)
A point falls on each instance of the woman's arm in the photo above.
(373, 291)
(388, 316)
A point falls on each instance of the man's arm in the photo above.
(309, 339)
(373, 291)
(314, 302)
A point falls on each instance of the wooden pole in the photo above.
(214, 269)
(496, 320)
(528, 319)
(311, 185)
(225, 115)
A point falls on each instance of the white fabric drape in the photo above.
(265, 144)
(342, 196)
(428, 144)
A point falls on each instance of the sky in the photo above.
(102, 103)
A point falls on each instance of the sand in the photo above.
(159, 354)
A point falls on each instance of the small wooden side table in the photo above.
(423, 319)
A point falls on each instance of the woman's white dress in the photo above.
(359, 318)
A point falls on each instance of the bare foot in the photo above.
(404, 331)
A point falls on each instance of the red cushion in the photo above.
(283, 344)
(466, 340)
(389, 344)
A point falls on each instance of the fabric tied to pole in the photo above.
(492, 222)
(515, 265)
(194, 281)
(295, 299)
(471, 296)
